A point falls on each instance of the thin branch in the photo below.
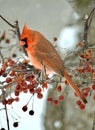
(6, 112)
(18, 35)
(17, 29)
(87, 23)
(16, 26)
(7, 21)
(2, 58)
(91, 16)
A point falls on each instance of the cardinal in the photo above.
(41, 52)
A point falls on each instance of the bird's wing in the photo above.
(47, 55)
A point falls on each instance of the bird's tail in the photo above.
(74, 86)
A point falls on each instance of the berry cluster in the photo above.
(9, 101)
(59, 96)
(19, 77)
(30, 84)
(85, 91)
(86, 73)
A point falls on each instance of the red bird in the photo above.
(41, 52)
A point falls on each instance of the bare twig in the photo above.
(17, 30)
(7, 21)
(2, 58)
(87, 23)
(18, 34)
(7, 118)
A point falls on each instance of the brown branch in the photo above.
(18, 34)
(7, 21)
(2, 58)
(17, 29)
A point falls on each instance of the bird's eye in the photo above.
(25, 41)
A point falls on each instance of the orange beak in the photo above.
(22, 43)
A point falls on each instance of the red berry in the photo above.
(82, 106)
(18, 87)
(16, 99)
(49, 100)
(12, 73)
(31, 112)
(24, 108)
(40, 95)
(61, 97)
(55, 102)
(10, 101)
(7, 40)
(85, 94)
(44, 85)
(66, 82)
(38, 90)
(15, 124)
(31, 90)
(87, 89)
(16, 93)
(93, 86)
(55, 39)
(59, 88)
(4, 102)
(10, 62)
(8, 79)
(34, 82)
(78, 102)
(30, 86)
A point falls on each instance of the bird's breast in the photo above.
(33, 59)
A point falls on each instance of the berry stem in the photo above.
(30, 99)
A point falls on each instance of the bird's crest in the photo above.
(24, 32)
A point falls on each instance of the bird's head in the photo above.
(29, 37)
(24, 36)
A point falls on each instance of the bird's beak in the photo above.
(22, 43)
